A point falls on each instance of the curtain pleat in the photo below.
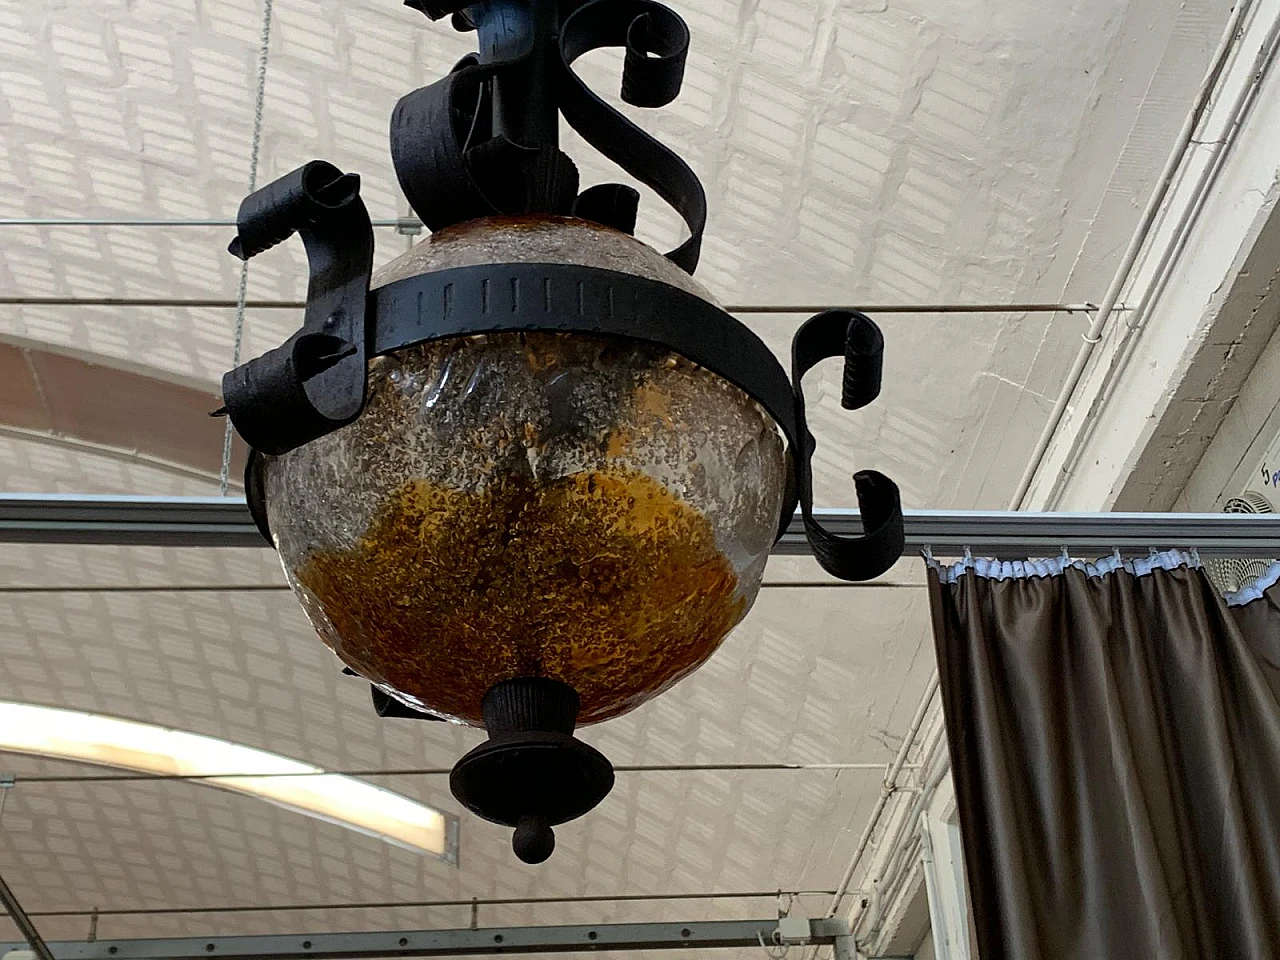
(1115, 744)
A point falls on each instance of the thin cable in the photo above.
(242, 296)
(420, 904)
(167, 303)
(216, 303)
(431, 772)
(402, 223)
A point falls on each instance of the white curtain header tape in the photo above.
(1255, 590)
(1052, 567)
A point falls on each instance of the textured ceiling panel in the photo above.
(30, 465)
(861, 151)
(792, 684)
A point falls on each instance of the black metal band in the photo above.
(565, 298)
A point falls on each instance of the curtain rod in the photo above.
(880, 308)
(225, 522)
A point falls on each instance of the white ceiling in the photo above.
(891, 151)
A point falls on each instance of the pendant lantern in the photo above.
(528, 474)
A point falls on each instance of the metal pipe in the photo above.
(887, 790)
(1155, 205)
(22, 920)
(217, 303)
(896, 849)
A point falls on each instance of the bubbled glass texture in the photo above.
(587, 509)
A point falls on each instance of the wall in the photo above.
(1249, 427)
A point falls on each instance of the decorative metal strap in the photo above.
(315, 382)
(656, 42)
(451, 169)
(855, 337)
(453, 165)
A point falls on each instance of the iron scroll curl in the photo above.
(853, 335)
(454, 164)
(315, 382)
(656, 41)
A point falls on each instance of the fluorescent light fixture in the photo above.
(347, 802)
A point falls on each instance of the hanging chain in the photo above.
(255, 150)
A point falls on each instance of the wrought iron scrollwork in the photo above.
(458, 156)
(656, 41)
(453, 167)
(483, 141)
(315, 382)
(854, 336)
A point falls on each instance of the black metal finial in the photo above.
(531, 773)
(534, 841)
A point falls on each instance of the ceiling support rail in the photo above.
(225, 522)
(463, 943)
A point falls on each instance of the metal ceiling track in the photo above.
(697, 935)
(225, 522)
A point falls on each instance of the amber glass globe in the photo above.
(587, 509)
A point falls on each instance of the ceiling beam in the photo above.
(461, 943)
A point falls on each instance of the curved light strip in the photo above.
(350, 803)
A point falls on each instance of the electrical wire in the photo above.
(216, 303)
(137, 777)
(40, 588)
(423, 904)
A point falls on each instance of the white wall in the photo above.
(1247, 430)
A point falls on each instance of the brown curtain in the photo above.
(1115, 743)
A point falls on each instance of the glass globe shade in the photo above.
(587, 509)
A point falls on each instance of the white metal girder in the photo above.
(225, 522)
